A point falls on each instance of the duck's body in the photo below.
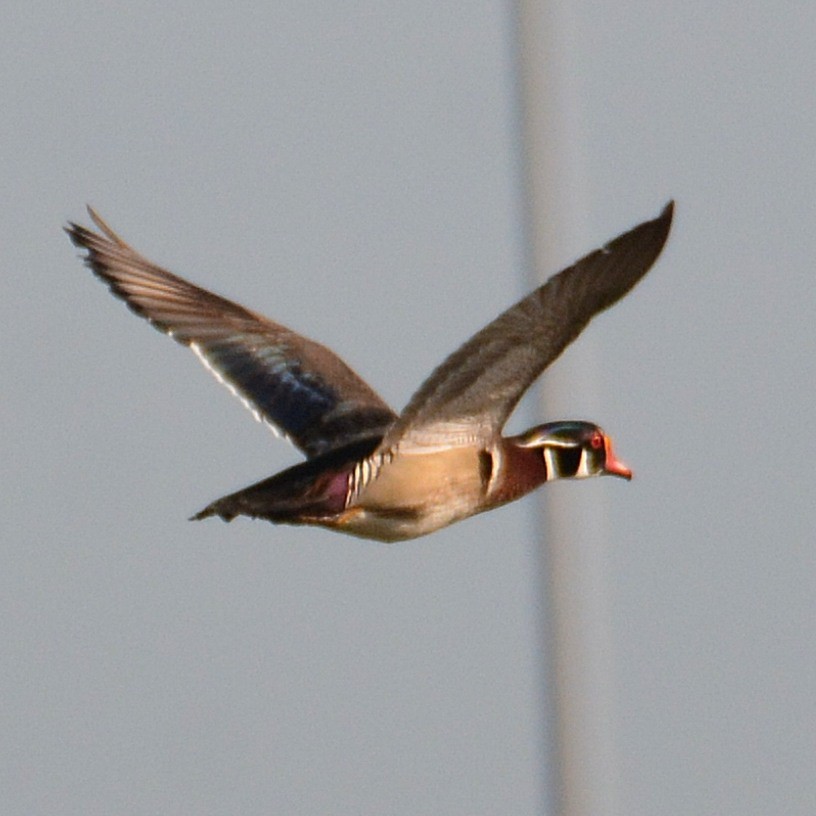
(370, 472)
(404, 497)
(408, 497)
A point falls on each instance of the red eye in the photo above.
(597, 440)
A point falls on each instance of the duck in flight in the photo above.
(369, 471)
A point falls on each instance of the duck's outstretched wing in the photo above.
(469, 397)
(299, 387)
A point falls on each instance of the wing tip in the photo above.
(81, 236)
(667, 213)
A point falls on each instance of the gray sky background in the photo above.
(353, 171)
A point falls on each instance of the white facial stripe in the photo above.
(560, 443)
(536, 441)
(583, 464)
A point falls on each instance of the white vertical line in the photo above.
(580, 670)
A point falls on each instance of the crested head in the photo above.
(573, 449)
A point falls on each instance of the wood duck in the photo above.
(371, 472)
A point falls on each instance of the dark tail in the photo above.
(267, 499)
(312, 490)
(220, 507)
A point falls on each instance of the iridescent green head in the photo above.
(572, 449)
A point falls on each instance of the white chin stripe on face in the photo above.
(583, 465)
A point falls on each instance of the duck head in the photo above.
(573, 449)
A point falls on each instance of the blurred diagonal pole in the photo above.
(579, 670)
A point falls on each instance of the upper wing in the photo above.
(468, 398)
(295, 384)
